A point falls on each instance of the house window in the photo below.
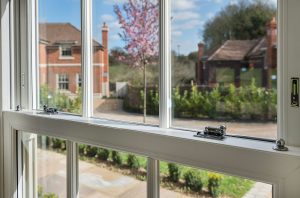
(66, 51)
(63, 81)
(79, 80)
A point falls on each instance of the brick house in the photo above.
(60, 59)
(239, 55)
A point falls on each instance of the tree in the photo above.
(139, 22)
(244, 20)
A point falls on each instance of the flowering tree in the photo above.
(139, 22)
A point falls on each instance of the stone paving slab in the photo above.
(259, 190)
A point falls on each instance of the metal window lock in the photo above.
(213, 132)
(18, 108)
(280, 145)
(50, 110)
(295, 92)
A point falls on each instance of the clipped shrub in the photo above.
(58, 143)
(132, 161)
(193, 181)
(50, 195)
(81, 149)
(214, 181)
(91, 151)
(102, 154)
(116, 157)
(174, 172)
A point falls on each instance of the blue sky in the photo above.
(189, 16)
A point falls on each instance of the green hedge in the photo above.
(244, 103)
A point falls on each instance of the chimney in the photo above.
(200, 64)
(105, 70)
(271, 42)
(201, 48)
(105, 35)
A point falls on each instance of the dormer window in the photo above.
(66, 51)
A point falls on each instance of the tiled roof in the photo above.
(234, 50)
(259, 49)
(57, 33)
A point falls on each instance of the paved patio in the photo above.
(100, 182)
(95, 181)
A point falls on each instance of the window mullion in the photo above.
(86, 46)
(153, 179)
(72, 170)
(165, 65)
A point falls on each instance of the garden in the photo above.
(189, 181)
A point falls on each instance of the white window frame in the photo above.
(65, 57)
(65, 80)
(241, 157)
(78, 80)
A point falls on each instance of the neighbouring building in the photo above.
(237, 56)
(60, 59)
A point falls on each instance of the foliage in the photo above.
(102, 154)
(229, 186)
(91, 151)
(61, 101)
(140, 30)
(133, 162)
(245, 20)
(139, 22)
(41, 193)
(174, 172)
(58, 143)
(81, 149)
(247, 102)
(116, 157)
(193, 180)
(214, 182)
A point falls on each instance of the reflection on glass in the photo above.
(224, 63)
(109, 173)
(126, 60)
(181, 181)
(60, 54)
(51, 167)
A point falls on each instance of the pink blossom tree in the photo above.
(139, 23)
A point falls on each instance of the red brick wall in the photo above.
(50, 55)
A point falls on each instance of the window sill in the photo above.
(179, 134)
(66, 58)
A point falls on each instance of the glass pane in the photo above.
(224, 66)
(179, 181)
(51, 167)
(108, 173)
(126, 60)
(60, 54)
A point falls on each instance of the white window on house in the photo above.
(79, 80)
(66, 51)
(63, 81)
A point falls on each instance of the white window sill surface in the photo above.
(66, 58)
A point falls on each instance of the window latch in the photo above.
(18, 108)
(280, 145)
(213, 132)
(49, 110)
